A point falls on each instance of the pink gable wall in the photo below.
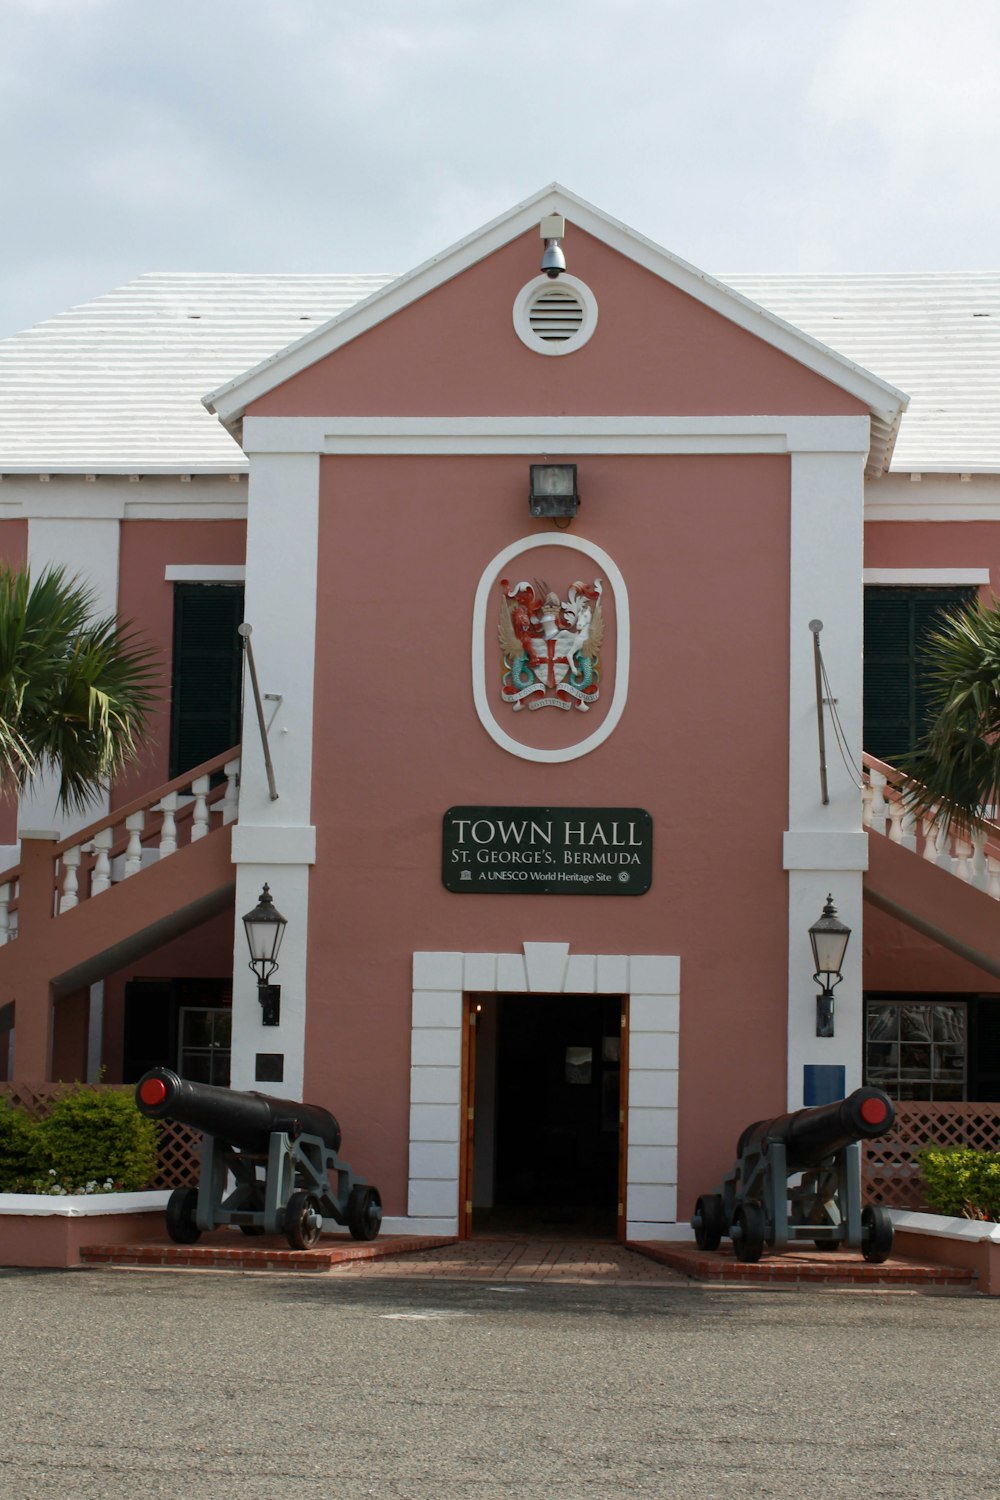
(655, 350)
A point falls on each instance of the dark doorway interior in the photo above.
(548, 1100)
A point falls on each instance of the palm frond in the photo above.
(954, 771)
(76, 691)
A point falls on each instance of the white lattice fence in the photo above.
(891, 1171)
(178, 1148)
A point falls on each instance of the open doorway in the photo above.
(545, 1109)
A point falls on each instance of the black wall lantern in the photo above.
(553, 491)
(829, 937)
(265, 927)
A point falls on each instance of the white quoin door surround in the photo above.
(440, 982)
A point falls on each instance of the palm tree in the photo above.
(954, 770)
(75, 689)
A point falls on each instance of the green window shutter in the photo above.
(897, 622)
(207, 668)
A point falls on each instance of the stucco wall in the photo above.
(703, 545)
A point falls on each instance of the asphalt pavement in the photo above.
(268, 1387)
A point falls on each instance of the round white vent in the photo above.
(555, 315)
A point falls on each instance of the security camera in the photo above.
(552, 229)
(553, 260)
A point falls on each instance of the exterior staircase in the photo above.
(943, 884)
(76, 910)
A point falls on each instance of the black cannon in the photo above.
(758, 1205)
(281, 1155)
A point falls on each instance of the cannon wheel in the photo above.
(181, 1225)
(364, 1212)
(876, 1234)
(712, 1222)
(300, 1230)
(748, 1220)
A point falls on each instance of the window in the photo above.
(204, 1042)
(916, 1048)
(207, 673)
(156, 1035)
(897, 623)
(933, 1046)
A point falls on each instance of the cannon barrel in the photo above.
(811, 1135)
(246, 1120)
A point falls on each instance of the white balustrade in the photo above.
(134, 824)
(968, 854)
(100, 879)
(199, 815)
(231, 799)
(168, 833)
(70, 895)
(104, 849)
(4, 914)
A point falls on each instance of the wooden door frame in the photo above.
(622, 1223)
(471, 1007)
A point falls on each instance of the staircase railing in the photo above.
(972, 856)
(122, 843)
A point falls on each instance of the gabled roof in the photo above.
(884, 401)
(115, 385)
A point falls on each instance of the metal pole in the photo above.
(816, 626)
(246, 631)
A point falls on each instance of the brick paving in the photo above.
(524, 1258)
(808, 1267)
(228, 1250)
(514, 1259)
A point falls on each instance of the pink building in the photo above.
(550, 829)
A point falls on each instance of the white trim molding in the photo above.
(480, 691)
(440, 983)
(204, 573)
(931, 577)
(550, 435)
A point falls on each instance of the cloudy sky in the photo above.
(338, 135)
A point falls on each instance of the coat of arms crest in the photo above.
(550, 645)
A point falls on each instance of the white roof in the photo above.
(936, 336)
(115, 385)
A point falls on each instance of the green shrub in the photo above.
(962, 1182)
(92, 1138)
(17, 1140)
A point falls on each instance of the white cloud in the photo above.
(330, 135)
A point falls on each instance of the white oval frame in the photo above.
(487, 584)
(527, 335)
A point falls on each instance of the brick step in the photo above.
(834, 1268)
(229, 1250)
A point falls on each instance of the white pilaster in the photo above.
(274, 841)
(825, 849)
